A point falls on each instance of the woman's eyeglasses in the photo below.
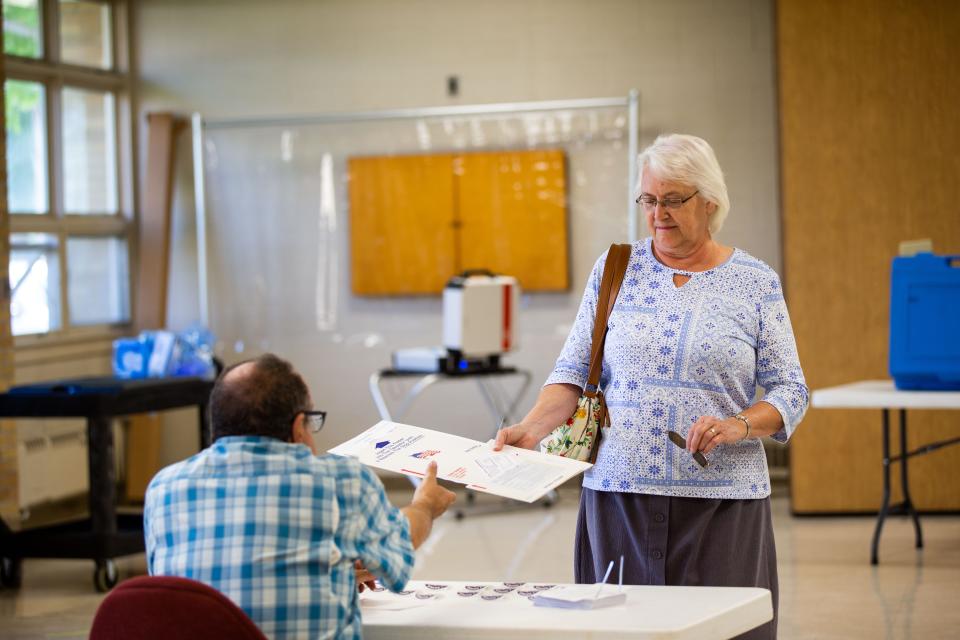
(670, 204)
(681, 442)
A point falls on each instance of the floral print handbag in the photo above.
(579, 437)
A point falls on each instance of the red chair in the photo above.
(167, 607)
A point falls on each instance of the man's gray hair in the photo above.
(676, 157)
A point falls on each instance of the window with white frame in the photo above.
(69, 164)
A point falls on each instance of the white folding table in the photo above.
(882, 394)
(694, 613)
(501, 402)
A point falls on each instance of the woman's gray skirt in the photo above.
(678, 541)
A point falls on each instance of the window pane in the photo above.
(34, 283)
(21, 28)
(98, 284)
(89, 152)
(26, 146)
(85, 34)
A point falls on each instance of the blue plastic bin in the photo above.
(925, 322)
(130, 357)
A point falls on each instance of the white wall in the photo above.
(702, 66)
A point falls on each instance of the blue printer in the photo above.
(925, 322)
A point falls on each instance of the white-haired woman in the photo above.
(697, 327)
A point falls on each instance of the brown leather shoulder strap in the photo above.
(613, 272)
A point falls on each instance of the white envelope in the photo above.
(514, 473)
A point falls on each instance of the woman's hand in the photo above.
(518, 435)
(709, 431)
(554, 405)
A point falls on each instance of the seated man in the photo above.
(263, 519)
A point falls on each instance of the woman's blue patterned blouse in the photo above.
(674, 354)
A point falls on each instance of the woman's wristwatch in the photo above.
(742, 418)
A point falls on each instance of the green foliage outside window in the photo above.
(21, 29)
(21, 37)
(21, 99)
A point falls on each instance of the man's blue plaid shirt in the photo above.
(277, 529)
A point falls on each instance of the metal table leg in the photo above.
(905, 483)
(103, 499)
(906, 507)
(377, 395)
(885, 505)
(503, 407)
(411, 395)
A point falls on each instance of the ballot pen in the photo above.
(620, 582)
(604, 581)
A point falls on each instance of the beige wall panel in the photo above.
(513, 216)
(401, 224)
(869, 139)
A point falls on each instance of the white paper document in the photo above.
(514, 473)
(581, 596)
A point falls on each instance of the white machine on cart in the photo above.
(479, 320)
(479, 325)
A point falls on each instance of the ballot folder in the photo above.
(519, 474)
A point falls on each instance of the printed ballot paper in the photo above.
(514, 473)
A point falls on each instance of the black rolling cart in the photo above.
(104, 535)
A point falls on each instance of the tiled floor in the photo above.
(827, 587)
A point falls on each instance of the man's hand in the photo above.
(429, 502)
(365, 579)
(430, 496)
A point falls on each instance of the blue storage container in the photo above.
(130, 357)
(925, 322)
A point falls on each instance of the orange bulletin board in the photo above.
(415, 221)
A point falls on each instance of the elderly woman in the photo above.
(697, 327)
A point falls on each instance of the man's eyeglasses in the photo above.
(313, 420)
(670, 204)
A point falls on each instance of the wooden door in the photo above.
(512, 216)
(401, 224)
(869, 138)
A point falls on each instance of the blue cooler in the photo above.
(925, 322)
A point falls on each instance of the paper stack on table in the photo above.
(585, 596)
(514, 473)
(581, 596)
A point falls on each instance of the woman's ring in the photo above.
(713, 430)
